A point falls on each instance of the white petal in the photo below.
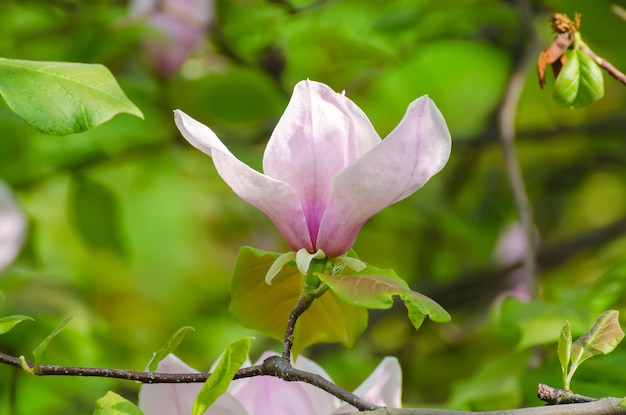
(178, 398)
(275, 198)
(350, 262)
(417, 149)
(278, 265)
(12, 227)
(383, 387)
(303, 260)
(320, 133)
(264, 395)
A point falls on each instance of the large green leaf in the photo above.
(60, 97)
(580, 81)
(266, 308)
(114, 404)
(7, 323)
(233, 358)
(375, 288)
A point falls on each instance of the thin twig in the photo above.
(604, 64)
(507, 135)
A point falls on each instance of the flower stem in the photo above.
(309, 294)
(303, 304)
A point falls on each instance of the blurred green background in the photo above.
(133, 228)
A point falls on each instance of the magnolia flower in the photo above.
(181, 25)
(12, 227)
(262, 395)
(326, 170)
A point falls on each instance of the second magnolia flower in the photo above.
(326, 170)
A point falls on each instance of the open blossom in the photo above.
(326, 170)
(12, 227)
(262, 395)
(180, 26)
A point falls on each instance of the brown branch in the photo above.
(605, 406)
(554, 396)
(276, 366)
(304, 303)
(478, 286)
(506, 126)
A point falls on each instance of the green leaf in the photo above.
(266, 308)
(40, 350)
(62, 98)
(232, 359)
(375, 288)
(169, 346)
(622, 403)
(564, 350)
(580, 81)
(7, 323)
(114, 404)
(603, 337)
(95, 213)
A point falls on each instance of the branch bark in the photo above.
(605, 406)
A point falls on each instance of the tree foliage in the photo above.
(134, 228)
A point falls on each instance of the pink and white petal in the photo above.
(277, 199)
(366, 135)
(403, 162)
(178, 399)
(12, 227)
(263, 395)
(383, 387)
(315, 139)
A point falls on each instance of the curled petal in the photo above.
(320, 133)
(12, 227)
(350, 262)
(383, 387)
(417, 149)
(277, 199)
(278, 265)
(303, 259)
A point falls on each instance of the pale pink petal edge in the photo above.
(276, 199)
(403, 162)
(383, 387)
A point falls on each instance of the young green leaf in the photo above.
(40, 350)
(564, 350)
(603, 337)
(169, 347)
(266, 308)
(580, 82)
(234, 356)
(7, 323)
(374, 288)
(62, 98)
(114, 404)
